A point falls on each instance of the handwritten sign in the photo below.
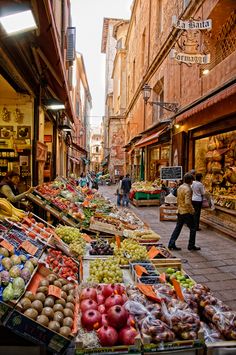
(178, 289)
(29, 247)
(54, 291)
(153, 252)
(171, 173)
(117, 241)
(140, 270)
(148, 291)
(7, 245)
(86, 237)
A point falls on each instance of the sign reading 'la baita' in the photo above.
(192, 24)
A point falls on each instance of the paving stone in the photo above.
(205, 271)
(220, 276)
(228, 296)
(200, 278)
(221, 285)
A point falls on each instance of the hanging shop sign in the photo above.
(192, 24)
(171, 173)
(41, 151)
(190, 58)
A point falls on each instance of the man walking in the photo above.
(126, 187)
(185, 214)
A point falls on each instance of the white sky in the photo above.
(87, 16)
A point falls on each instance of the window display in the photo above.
(215, 157)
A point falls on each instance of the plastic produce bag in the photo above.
(157, 330)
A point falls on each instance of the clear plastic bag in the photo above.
(157, 330)
(211, 333)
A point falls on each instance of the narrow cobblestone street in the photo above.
(214, 265)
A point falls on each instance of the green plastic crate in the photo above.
(146, 196)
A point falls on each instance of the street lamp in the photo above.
(18, 22)
(169, 106)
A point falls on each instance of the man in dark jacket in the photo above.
(126, 187)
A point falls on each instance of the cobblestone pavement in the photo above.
(214, 265)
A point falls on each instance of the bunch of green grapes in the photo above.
(105, 271)
(77, 247)
(129, 250)
(68, 234)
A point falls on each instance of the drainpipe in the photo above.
(35, 139)
(62, 27)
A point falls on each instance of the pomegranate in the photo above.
(101, 308)
(88, 292)
(91, 319)
(100, 299)
(113, 300)
(127, 335)
(124, 297)
(107, 335)
(104, 319)
(117, 316)
(108, 290)
(88, 304)
(119, 289)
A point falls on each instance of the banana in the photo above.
(5, 206)
(17, 212)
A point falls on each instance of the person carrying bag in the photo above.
(119, 191)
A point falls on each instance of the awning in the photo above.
(75, 160)
(151, 139)
(78, 148)
(86, 161)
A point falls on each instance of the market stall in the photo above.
(95, 293)
(146, 193)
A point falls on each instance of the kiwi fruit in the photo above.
(25, 303)
(70, 286)
(68, 321)
(51, 278)
(71, 299)
(72, 293)
(62, 281)
(42, 319)
(54, 325)
(43, 289)
(70, 306)
(65, 331)
(48, 311)
(58, 316)
(65, 288)
(37, 304)
(64, 295)
(57, 283)
(68, 312)
(49, 302)
(40, 296)
(44, 283)
(30, 295)
(31, 313)
(58, 307)
(61, 301)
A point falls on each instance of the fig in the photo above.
(53, 325)
(23, 258)
(7, 263)
(14, 271)
(68, 312)
(65, 331)
(31, 313)
(70, 286)
(30, 295)
(42, 319)
(68, 321)
(47, 311)
(25, 274)
(40, 296)
(25, 303)
(15, 259)
(49, 302)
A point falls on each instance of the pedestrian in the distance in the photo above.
(119, 191)
(126, 187)
(198, 193)
(83, 180)
(185, 215)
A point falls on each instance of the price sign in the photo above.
(29, 247)
(140, 270)
(8, 246)
(117, 241)
(148, 291)
(153, 252)
(162, 277)
(178, 289)
(86, 237)
(171, 173)
(54, 291)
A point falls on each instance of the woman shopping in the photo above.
(198, 193)
(119, 191)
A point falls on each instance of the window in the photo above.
(128, 88)
(97, 149)
(133, 78)
(119, 44)
(143, 48)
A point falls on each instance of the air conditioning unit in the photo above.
(70, 40)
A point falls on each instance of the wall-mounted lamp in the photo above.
(205, 71)
(169, 106)
(177, 125)
(19, 21)
(52, 104)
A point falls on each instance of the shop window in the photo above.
(215, 159)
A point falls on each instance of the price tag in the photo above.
(178, 289)
(162, 277)
(86, 237)
(140, 270)
(29, 247)
(153, 252)
(148, 291)
(117, 241)
(54, 291)
(7, 245)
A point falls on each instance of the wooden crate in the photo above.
(221, 348)
(168, 213)
(139, 203)
(104, 227)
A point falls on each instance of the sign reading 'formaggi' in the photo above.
(192, 24)
(190, 58)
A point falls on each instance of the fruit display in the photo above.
(129, 251)
(15, 272)
(73, 238)
(47, 190)
(144, 272)
(146, 186)
(184, 280)
(101, 247)
(34, 229)
(60, 264)
(54, 310)
(105, 271)
(7, 210)
(103, 309)
(162, 252)
(127, 216)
